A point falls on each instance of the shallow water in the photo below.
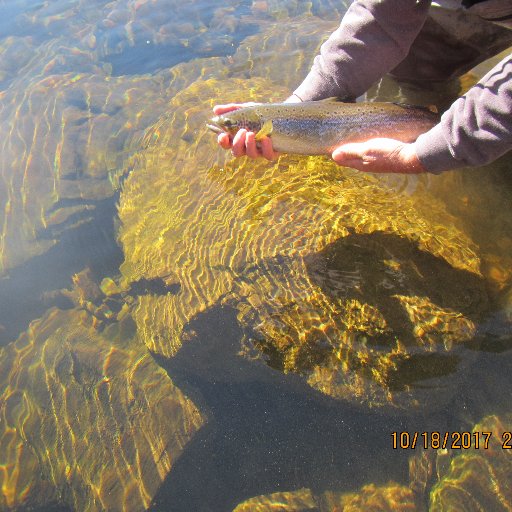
(182, 331)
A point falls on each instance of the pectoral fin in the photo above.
(265, 130)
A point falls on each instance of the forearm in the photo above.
(373, 38)
(476, 129)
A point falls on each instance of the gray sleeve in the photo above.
(373, 38)
(477, 128)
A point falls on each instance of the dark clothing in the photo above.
(400, 36)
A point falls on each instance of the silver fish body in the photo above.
(318, 127)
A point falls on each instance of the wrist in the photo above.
(294, 98)
(410, 159)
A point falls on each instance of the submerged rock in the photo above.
(369, 294)
(479, 478)
(67, 123)
(63, 141)
(392, 497)
(293, 501)
(88, 419)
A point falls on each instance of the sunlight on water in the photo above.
(338, 277)
(181, 330)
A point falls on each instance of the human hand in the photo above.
(379, 155)
(244, 141)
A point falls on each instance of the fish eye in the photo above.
(228, 123)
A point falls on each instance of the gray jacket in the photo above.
(374, 37)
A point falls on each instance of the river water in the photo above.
(182, 331)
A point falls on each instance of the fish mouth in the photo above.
(214, 127)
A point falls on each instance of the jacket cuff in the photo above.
(433, 151)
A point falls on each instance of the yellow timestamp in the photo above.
(453, 440)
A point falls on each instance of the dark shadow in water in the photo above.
(365, 260)
(490, 394)
(149, 58)
(91, 244)
(269, 432)
(154, 286)
(46, 508)
(224, 35)
(495, 334)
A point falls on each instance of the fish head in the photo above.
(222, 124)
(231, 122)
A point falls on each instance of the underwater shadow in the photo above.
(266, 431)
(373, 269)
(91, 243)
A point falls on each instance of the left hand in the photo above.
(379, 155)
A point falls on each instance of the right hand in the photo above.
(244, 141)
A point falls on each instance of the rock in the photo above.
(88, 418)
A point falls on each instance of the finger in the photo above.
(239, 143)
(353, 155)
(222, 109)
(346, 152)
(224, 141)
(228, 107)
(250, 145)
(267, 149)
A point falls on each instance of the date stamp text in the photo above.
(452, 440)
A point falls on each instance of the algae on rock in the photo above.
(361, 290)
(87, 419)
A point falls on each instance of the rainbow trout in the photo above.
(318, 127)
